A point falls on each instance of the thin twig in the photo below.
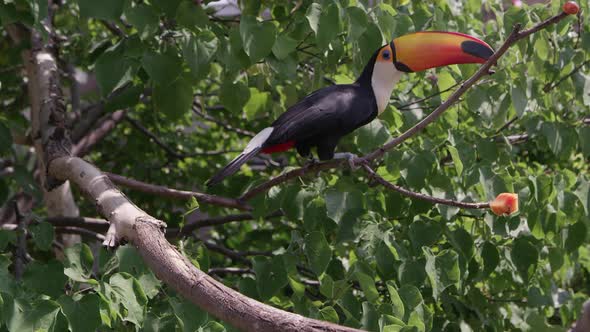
(552, 85)
(434, 200)
(114, 29)
(80, 231)
(175, 193)
(197, 110)
(93, 224)
(216, 221)
(507, 124)
(169, 150)
(221, 271)
(86, 143)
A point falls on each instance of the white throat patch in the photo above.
(385, 76)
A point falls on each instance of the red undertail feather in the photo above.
(279, 147)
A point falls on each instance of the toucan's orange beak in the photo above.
(429, 49)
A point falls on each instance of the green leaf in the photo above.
(258, 38)
(189, 316)
(333, 289)
(514, 15)
(442, 270)
(40, 316)
(329, 26)
(6, 139)
(491, 258)
(576, 235)
(173, 100)
(341, 200)
(113, 69)
(396, 300)
(329, 314)
(385, 258)
(368, 42)
(131, 295)
(82, 314)
(462, 241)
(541, 47)
(318, 252)
(167, 6)
(411, 297)
(107, 10)
(45, 278)
(372, 135)
(456, 159)
(164, 68)
(283, 46)
(519, 100)
(368, 286)
(144, 18)
(357, 22)
(6, 237)
(314, 12)
(271, 275)
(584, 140)
(79, 262)
(424, 232)
(370, 318)
(43, 234)
(445, 81)
(191, 15)
(198, 52)
(561, 139)
(234, 96)
(524, 255)
(131, 262)
(583, 194)
(256, 104)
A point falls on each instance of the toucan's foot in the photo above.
(353, 160)
(311, 160)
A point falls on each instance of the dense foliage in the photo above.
(345, 250)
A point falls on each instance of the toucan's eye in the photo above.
(386, 54)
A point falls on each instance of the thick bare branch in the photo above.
(133, 224)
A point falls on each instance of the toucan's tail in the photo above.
(252, 149)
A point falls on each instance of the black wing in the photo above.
(332, 111)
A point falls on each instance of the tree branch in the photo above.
(197, 109)
(133, 224)
(435, 200)
(177, 194)
(216, 221)
(169, 150)
(86, 143)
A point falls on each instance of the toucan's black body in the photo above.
(323, 117)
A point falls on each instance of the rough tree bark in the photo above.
(46, 97)
(130, 223)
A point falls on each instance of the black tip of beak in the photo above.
(476, 49)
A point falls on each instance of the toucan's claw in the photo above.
(354, 162)
(311, 160)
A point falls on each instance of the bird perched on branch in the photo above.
(323, 117)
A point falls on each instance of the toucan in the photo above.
(323, 117)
